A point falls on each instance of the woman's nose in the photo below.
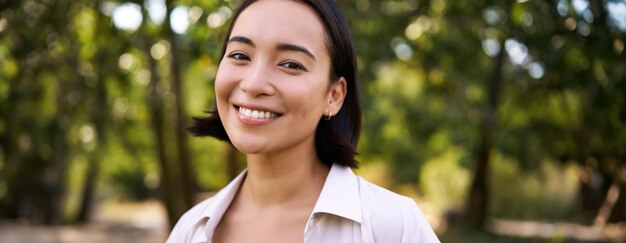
(258, 81)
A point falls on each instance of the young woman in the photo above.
(287, 96)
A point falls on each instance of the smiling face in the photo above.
(272, 85)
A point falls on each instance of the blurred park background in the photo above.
(505, 120)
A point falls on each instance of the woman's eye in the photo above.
(293, 65)
(239, 56)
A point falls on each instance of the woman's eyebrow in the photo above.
(241, 39)
(292, 47)
(279, 47)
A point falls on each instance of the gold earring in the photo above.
(330, 115)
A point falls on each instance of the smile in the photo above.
(256, 114)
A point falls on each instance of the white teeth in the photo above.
(254, 114)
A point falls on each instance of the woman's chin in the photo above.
(249, 148)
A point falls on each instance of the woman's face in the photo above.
(272, 85)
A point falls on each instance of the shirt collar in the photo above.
(219, 204)
(340, 194)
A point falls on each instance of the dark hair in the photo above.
(336, 139)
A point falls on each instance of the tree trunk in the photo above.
(9, 205)
(169, 186)
(614, 207)
(618, 213)
(86, 202)
(54, 183)
(609, 202)
(156, 120)
(98, 117)
(597, 191)
(590, 194)
(478, 202)
(186, 179)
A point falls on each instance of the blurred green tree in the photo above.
(470, 81)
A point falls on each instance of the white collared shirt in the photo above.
(349, 209)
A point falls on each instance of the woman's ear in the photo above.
(336, 95)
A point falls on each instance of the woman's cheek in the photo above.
(225, 81)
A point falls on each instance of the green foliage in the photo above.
(546, 193)
(75, 93)
(444, 182)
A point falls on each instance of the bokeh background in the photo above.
(505, 120)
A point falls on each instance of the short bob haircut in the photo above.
(335, 139)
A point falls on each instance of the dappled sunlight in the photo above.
(549, 192)
(444, 181)
(149, 215)
(127, 16)
(527, 95)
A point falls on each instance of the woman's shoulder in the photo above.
(198, 211)
(392, 217)
(379, 199)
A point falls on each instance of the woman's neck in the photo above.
(291, 178)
